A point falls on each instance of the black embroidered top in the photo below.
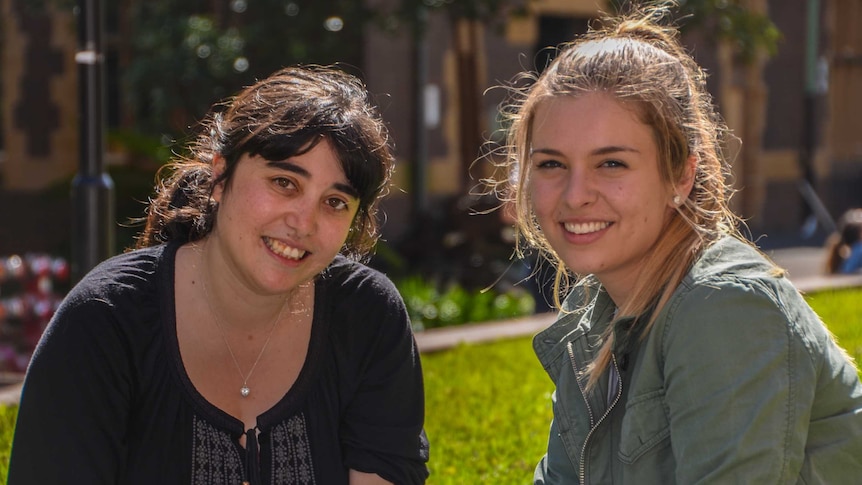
(106, 399)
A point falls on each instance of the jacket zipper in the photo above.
(581, 466)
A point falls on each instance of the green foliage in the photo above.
(430, 308)
(188, 54)
(488, 409)
(141, 148)
(184, 55)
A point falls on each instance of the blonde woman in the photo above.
(680, 354)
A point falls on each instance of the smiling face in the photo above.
(280, 223)
(596, 189)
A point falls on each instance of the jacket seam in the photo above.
(791, 398)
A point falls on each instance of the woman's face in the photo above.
(595, 187)
(280, 223)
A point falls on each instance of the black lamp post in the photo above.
(92, 188)
(418, 177)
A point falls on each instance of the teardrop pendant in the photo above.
(244, 391)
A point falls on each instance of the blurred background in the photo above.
(97, 95)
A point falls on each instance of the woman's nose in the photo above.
(301, 218)
(580, 189)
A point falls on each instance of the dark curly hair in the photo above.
(279, 117)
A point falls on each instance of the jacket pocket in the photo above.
(644, 426)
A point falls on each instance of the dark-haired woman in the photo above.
(239, 343)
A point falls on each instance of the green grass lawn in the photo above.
(841, 310)
(488, 406)
(7, 426)
(488, 410)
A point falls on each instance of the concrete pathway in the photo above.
(805, 266)
(437, 339)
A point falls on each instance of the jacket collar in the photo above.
(587, 309)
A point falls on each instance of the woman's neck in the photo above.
(234, 303)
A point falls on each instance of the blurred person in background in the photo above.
(844, 248)
(680, 353)
(242, 341)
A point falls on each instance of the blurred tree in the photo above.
(180, 56)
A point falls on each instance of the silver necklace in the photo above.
(244, 391)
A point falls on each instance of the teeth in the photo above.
(283, 249)
(585, 227)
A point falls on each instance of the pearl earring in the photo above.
(677, 200)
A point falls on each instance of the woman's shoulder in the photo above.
(726, 279)
(729, 258)
(130, 266)
(132, 274)
(731, 269)
(736, 288)
(119, 298)
(350, 277)
(362, 309)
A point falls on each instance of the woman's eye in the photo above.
(283, 182)
(337, 204)
(544, 164)
(613, 163)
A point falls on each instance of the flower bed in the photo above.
(31, 288)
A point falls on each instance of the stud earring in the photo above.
(677, 200)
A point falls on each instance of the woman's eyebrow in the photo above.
(302, 172)
(545, 151)
(613, 149)
(288, 166)
(598, 151)
(347, 189)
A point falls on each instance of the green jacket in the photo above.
(737, 382)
